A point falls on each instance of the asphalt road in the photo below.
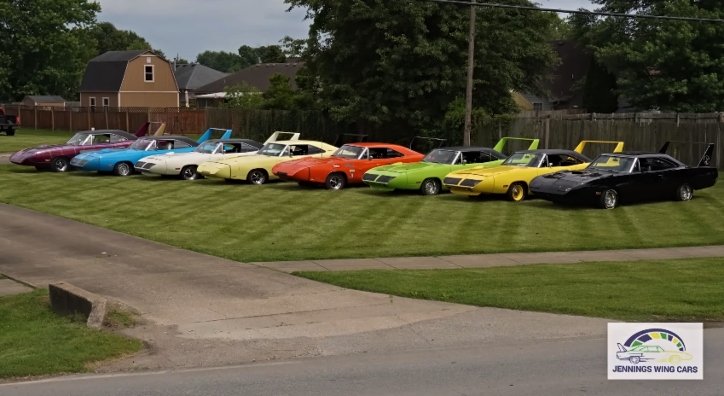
(563, 367)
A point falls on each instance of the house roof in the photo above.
(257, 76)
(46, 98)
(194, 75)
(105, 72)
(575, 63)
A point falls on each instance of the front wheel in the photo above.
(609, 199)
(59, 164)
(516, 192)
(335, 181)
(257, 176)
(430, 187)
(684, 193)
(122, 169)
(190, 173)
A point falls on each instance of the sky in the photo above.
(189, 27)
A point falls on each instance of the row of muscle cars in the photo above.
(557, 175)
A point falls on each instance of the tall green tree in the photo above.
(43, 46)
(227, 62)
(402, 63)
(271, 54)
(669, 65)
(293, 48)
(243, 96)
(280, 95)
(109, 38)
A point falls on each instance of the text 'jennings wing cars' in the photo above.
(121, 162)
(57, 157)
(426, 176)
(346, 166)
(514, 175)
(615, 178)
(257, 168)
(186, 164)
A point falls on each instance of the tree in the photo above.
(227, 62)
(43, 46)
(109, 38)
(562, 29)
(293, 48)
(243, 96)
(402, 63)
(271, 54)
(599, 93)
(280, 95)
(670, 65)
(248, 55)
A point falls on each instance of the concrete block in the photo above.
(66, 299)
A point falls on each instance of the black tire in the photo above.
(684, 193)
(257, 176)
(609, 199)
(517, 192)
(335, 181)
(10, 132)
(430, 187)
(123, 169)
(60, 164)
(189, 173)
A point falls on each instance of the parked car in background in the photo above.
(426, 176)
(57, 157)
(8, 123)
(612, 179)
(186, 164)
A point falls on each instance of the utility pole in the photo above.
(471, 67)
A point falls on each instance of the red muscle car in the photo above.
(346, 166)
(57, 157)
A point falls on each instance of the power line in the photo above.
(580, 12)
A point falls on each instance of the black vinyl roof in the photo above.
(572, 153)
(172, 137)
(247, 141)
(113, 131)
(105, 72)
(465, 149)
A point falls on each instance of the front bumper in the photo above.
(152, 168)
(302, 175)
(85, 164)
(385, 181)
(214, 170)
(470, 186)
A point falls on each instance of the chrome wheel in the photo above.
(610, 199)
(685, 193)
(122, 169)
(60, 164)
(257, 177)
(189, 173)
(335, 182)
(430, 187)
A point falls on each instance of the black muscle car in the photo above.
(617, 178)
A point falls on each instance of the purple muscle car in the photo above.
(57, 157)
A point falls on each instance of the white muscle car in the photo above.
(185, 164)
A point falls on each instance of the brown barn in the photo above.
(129, 79)
(44, 101)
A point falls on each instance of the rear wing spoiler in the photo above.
(501, 144)
(275, 136)
(161, 129)
(441, 141)
(207, 135)
(143, 130)
(362, 138)
(582, 145)
(705, 159)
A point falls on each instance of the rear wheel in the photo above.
(430, 187)
(122, 169)
(59, 164)
(10, 132)
(684, 193)
(609, 199)
(190, 173)
(335, 181)
(257, 176)
(516, 192)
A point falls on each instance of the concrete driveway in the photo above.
(203, 310)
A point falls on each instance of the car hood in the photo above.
(302, 163)
(487, 172)
(408, 167)
(565, 181)
(44, 147)
(248, 160)
(108, 153)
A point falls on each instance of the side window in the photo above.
(384, 152)
(659, 164)
(567, 160)
(301, 149)
(245, 148)
(177, 144)
(117, 139)
(164, 144)
(477, 157)
(101, 139)
(315, 150)
(394, 154)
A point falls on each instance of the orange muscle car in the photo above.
(345, 166)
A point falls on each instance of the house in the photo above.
(256, 76)
(129, 79)
(44, 101)
(190, 77)
(574, 66)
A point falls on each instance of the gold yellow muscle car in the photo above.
(513, 176)
(257, 168)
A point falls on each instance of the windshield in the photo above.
(446, 157)
(611, 163)
(143, 145)
(351, 152)
(524, 159)
(207, 148)
(272, 149)
(78, 139)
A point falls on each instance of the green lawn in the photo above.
(35, 341)
(669, 290)
(25, 138)
(282, 221)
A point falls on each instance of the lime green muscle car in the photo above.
(427, 175)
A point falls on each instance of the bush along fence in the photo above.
(557, 129)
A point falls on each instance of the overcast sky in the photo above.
(189, 27)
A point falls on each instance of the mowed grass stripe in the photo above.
(282, 221)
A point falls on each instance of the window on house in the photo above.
(92, 102)
(148, 73)
(106, 102)
(538, 106)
